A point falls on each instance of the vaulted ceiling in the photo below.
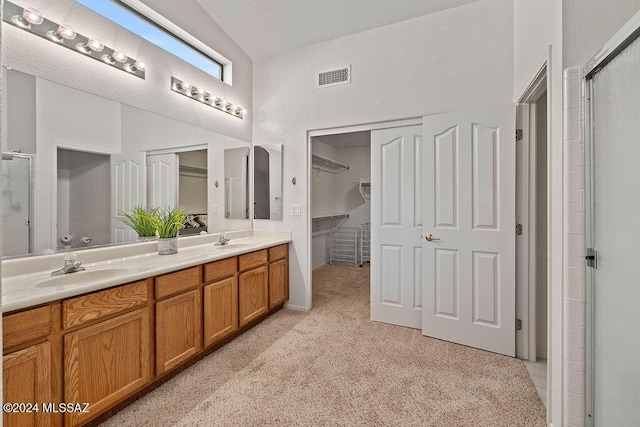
(264, 28)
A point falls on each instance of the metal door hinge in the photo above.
(518, 134)
(592, 258)
(518, 229)
(518, 324)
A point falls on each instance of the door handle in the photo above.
(430, 237)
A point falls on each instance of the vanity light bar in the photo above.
(64, 35)
(206, 98)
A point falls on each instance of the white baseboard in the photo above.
(296, 307)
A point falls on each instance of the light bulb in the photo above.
(91, 45)
(229, 106)
(183, 86)
(195, 92)
(218, 102)
(138, 66)
(29, 16)
(116, 56)
(239, 111)
(63, 32)
(208, 97)
(32, 16)
(119, 56)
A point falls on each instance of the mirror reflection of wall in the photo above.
(236, 188)
(267, 176)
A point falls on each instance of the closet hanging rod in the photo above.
(326, 164)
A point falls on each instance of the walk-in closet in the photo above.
(340, 199)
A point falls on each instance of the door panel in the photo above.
(469, 206)
(396, 225)
(162, 180)
(128, 189)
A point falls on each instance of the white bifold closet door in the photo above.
(615, 209)
(396, 225)
(128, 189)
(469, 209)
(162, 180)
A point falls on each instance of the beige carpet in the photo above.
(332, 366)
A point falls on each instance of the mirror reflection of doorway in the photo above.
(17, 178)
(261, 183)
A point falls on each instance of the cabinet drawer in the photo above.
(219, 270)
(278, 252)
(80, 310)
(20, 328)
(178, 282)
(254, 259)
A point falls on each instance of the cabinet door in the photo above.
(178, 330)
(254, 294)
(278, 282)
(220, 309)
(106, 362)
(26, 378)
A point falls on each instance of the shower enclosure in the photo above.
(17, 203)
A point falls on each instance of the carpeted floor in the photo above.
(332, 366)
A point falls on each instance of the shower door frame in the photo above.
(31, 190)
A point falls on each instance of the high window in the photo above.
(151, 26)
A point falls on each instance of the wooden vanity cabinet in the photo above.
(178, 318)
(220, 300)
(26, 378)
(253, 286)
(107, 342)
(28, 370)
(278, 275)
(101, 347)
(106, 362)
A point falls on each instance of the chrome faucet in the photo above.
(222, 240)
(70, 265)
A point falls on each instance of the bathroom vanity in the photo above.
(112, 333)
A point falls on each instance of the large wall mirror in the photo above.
(76, 167)
(74, 159)
(267, 181)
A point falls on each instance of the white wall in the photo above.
(450, 60)
(589, 24)
(34, 55)
(537, 34)
(21, 117)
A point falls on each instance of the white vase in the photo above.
(168, 246)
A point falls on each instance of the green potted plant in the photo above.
(168, 223)
(142, 221)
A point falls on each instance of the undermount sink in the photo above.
(81, 277)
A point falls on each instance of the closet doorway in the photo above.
(340, 199)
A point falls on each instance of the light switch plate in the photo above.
(295, 210)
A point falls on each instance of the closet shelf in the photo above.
(365, 189)
(329, 217)
(326, 164)
(192, 171)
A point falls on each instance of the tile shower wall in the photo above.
(574, 280)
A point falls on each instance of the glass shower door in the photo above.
(614, 230)
(16, 204)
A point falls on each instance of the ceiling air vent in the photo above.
(340, 76)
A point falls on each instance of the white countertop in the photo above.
(27, 282)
